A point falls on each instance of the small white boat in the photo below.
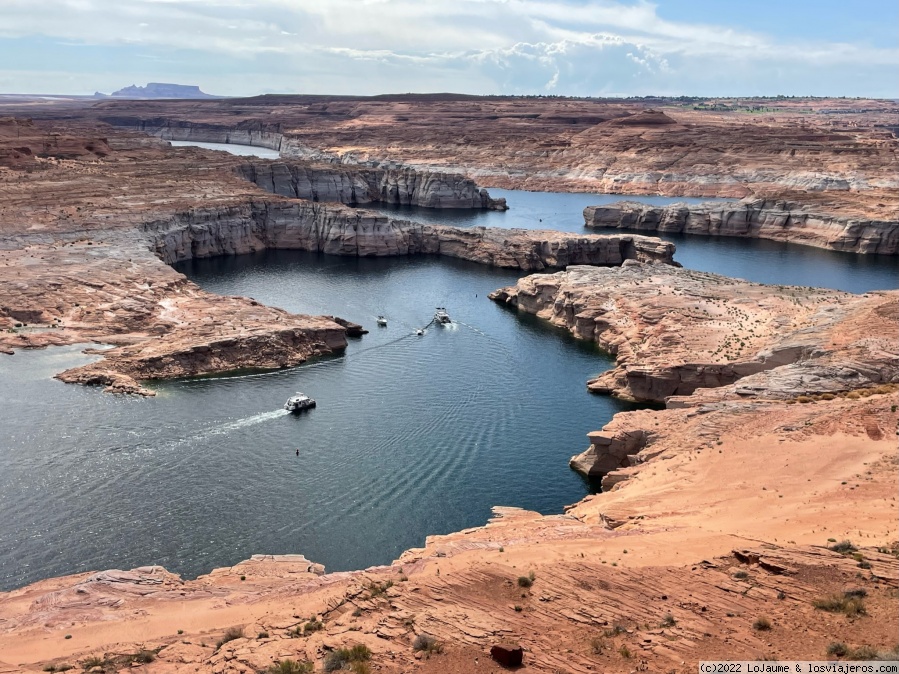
(382, 321)
(440, 316)
(299, 402)
(419, 332)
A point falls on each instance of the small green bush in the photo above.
(313, 626)
(518, 608)
(741, 575)
(524, 581)
(262, 635)
(340, 658)
(668, 621)
(289, 666)
(597, 645)
(624, 651)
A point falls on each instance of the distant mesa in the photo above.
(158, 90)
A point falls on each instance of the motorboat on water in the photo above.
(299, 402)
(440, 316)
(382, 321)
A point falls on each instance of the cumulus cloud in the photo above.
(574, 47)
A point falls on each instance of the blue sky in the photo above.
(571, 47)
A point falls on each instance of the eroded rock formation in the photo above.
(674, 331)
(404, 186)
(258, 224)
(758, 219)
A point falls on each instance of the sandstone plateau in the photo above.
(718, 513)
(837, 155)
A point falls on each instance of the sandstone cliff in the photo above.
(674, 331)
(756, 218)
(361, 185)
(692, 339)
(329, 228)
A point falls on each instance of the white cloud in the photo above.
(480, 46)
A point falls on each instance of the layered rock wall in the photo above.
(692, 339)
(255, 225)
(757, 219)
(246, 133)
(401, 186)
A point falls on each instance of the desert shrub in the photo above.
(262, 635)
(524, 581)
(741, 575)
(93, 661)
(377, 589)
(624, 651)
(518, 608)
(144, 656)
(340, 658)
(230, 634)
(289, 666)
(843, 547)
(761, 624)
(313, 626)
(357, 612)
(850, 606)
(837, 648)
(827, 396)
(864, 653)
(427, 643)
(668, 621)
(597, 645)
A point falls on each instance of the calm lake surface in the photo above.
(412, 435)
(233, 148)
(758, 260)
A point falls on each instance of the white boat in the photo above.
(419, 332)
(440, 316)
(382, 321)
(299, 402)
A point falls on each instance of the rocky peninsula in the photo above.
(719, 533)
